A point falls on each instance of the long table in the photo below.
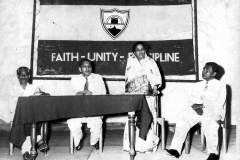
(35, 109)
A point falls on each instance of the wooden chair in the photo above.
(161, 122)
(44, 133)
(187, 141)
(10, 144)
(224, 132)
(123, 119)
(203, 142)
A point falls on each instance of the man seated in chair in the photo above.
(26, 89)
(87, 83)
(207, 106)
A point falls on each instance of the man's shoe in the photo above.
(97, 145)
(172, 152)
(80, 145)
(213, 156)
(42, 146)
(27, 156)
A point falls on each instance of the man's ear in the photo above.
(80, 70)
(214, 74)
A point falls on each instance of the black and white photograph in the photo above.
(120, 79)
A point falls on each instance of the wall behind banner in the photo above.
(218, 31)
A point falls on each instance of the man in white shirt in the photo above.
(26, 89)
(208, 107)
(87, 83)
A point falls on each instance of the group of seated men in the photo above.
(207, 103)
(87, 83)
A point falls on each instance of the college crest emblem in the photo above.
(114, 21)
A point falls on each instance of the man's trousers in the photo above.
(185, 123)
(94, 123)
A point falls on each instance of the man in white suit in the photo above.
(87, 83)
(207, 106)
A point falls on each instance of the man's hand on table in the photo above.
(156, 90)
(219, 122)
(198, 108)
(85, 92)
(40, 93)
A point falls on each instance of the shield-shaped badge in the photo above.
(114, 21)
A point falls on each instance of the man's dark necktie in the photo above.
(206, 86)
(86, 84)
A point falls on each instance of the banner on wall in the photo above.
(62, 57)
(105, 30)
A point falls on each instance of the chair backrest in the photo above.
(123, 118)
(225, 106)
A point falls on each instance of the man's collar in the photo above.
(212, 80)
(87, 76)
